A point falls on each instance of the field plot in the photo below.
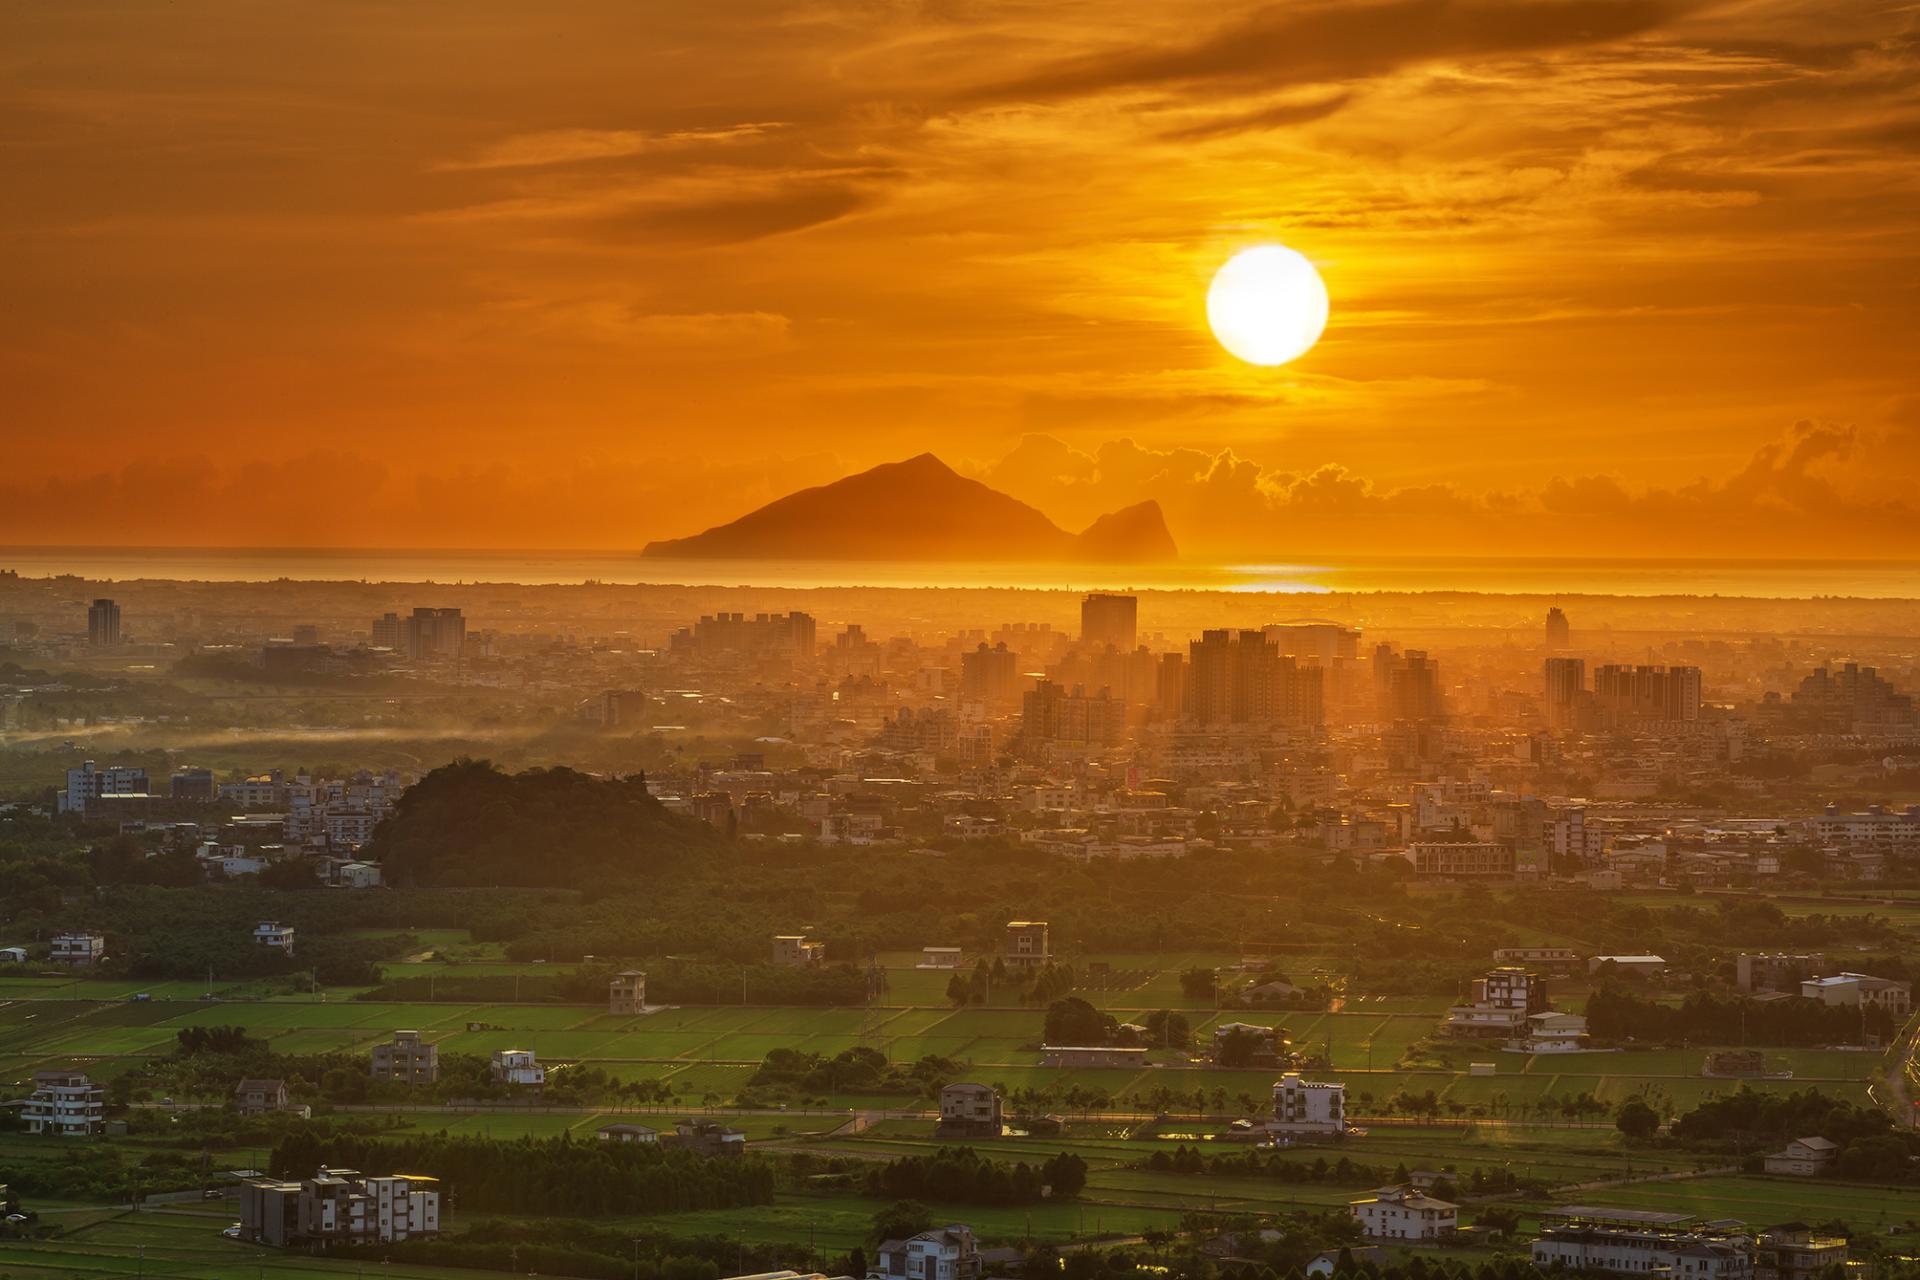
(1763, 1201)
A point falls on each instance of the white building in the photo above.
(1648, 966)
(78, 948)
(1803, 1157)
(1859, 989)
(1308, 1106)
(1876, 828)
(1402, 1213)
(276, 936)
(518, 1067)
(65, 1103)
(1499, 1006)
(87, 784)
(339, 1206)
(1641, 1241)
(945, 1253)
(1554, 1032)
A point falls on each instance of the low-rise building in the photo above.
(1645, 966)
(797, 950)
(1028, 945)
(1792, 1251)
(1325, 1264)
(1562, 960)
(1303, 1106)
(1775, 970)
(1862, 990)
(1641, 1241)
(1498, 1006)
(969, 1110)
(1551, 1031)
(627, 993)
(1091, 1055)
(1803, 1157)
(1461, 859)
(940, 958)
(258, 1096)
(705, 1138)
(945, 1253)
(339, 1207)
(78, 948)
(408, 1059)
(519, 1068)
(274, 936)
(627, 1133)
(65, 1104)
(1404, 1213)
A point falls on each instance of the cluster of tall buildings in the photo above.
(423, 634)
(1622, 696)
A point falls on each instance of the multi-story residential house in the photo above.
(1308, 1106)
(1793, 1252)
(627, 993)
(945, 1253)
(1027, 943)
(969, 1110)
(1862, 990)
(257, 1097)
(1499, 1006)
(1551, 1031)
(1641, 1241)
(274, 936)
(261, 791)
(408, 1059)
(1404, 1213)
(339, 1207)
(796, 950)
(520, 1067)
(78, 948)
(1803, 1157)
(65, 1103)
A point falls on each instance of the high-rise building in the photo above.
(436, 633)
(1559, 630)
(1407, 686)
(1109, 620)
(103, 623)
(88, 784)
(764, 636)
(1240, 677)
(989, 675)
(1322, 642)
(390, 632)
(1050, 714)
(1646, 694)
(1565, 680)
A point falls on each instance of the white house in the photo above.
(1640, 1241)
(945, 1253)
(1308, 1106)
(13, 955)
(627, 1133)
(518, 1067)
(65, 1103)
(1803, 1157)
(1860, 989)
(1554, 1032)
(1402, 1213)
(1323, 1264)
(277, 936)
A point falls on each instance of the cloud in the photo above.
(1331, 40)
(573, 146)
(1275, 116)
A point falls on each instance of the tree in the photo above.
(1636, 1119)
(1074, 1021)
(1197, 983)
(899, 1220)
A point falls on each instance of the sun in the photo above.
(1267, 305)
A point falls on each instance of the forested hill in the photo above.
(469, 824)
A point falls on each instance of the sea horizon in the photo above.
(1757, 578)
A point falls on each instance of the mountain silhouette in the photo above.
(920, 509)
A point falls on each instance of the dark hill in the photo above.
(468, 824)
(920, 509)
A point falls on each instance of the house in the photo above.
(1498, 1006)
(1270, 1044)
(1308, 1107)
(705, 1138)
(338, 1207)
(1367, 1254)
(795, 950)
(1792, 1251)
(1861, 990)
(78, 948)
(1775, 970)
(518, 1067)
(1096, 1055)
(1640, 1241)
(277, 936)
(627, 1133)
(939, 958)
(1803, 1157)
(13, 955)
(1403, 1213)
(357, 875)
(1027, 944)
(408, 1059)
(945, 1253)
(969, 1110)
(1551, 1031)
(627, 993)
(66, 1104)
(257, 1097)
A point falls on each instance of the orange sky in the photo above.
(1606, 274)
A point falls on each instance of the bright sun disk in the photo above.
(1267, 305)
